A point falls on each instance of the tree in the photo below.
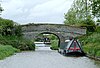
(95, 5)
(70, 17)
(9, 27)
(78, 13)
(17, 30)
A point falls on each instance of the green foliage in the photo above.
(92, 43)
(52, 37)
(98, 29)
(17, 30)
(80, 15)
(93, 38)
(11, 34)
(9, 27)
(98, 54)
(17, 42)
(54, 44)
(95, 5)
(7, 50)
(70, 18)
(92, 49)
(89, 24)
(77, 14)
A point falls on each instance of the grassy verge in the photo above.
(7, 50)
(17, 42)
(92, 44)
(54, 44)
(12, 44)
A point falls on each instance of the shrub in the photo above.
(54, 44)
(92, 43)
(98, 54)
(98, 29)
(17, 42)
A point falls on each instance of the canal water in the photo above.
(44, 57)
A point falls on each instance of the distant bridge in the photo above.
(31, 31)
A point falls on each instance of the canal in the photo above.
(44, 57)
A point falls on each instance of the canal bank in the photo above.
(7, 50)
(94, 58)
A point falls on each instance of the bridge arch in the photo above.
(33, 35)
(62, 31)
(59, 38)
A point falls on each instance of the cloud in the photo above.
(26, 11)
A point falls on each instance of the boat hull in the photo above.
(75, 54)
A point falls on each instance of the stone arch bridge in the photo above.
(62, 31)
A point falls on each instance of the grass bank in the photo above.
(7, 50)
(12, 44)
(92, 43)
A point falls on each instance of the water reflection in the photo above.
(42, 47)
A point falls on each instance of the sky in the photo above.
(36, 11)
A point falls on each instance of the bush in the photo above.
(92, 49)
(91, 44)
(98, 54)
(11, 34)
(54, 44)
(98, 29)
(7, 50)
(17, 42)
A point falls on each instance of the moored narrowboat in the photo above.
(73, 47)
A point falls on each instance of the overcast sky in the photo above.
(30, 11)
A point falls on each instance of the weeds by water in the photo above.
(7, 50)
(92, 43)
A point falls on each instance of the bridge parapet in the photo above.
(54, 28)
